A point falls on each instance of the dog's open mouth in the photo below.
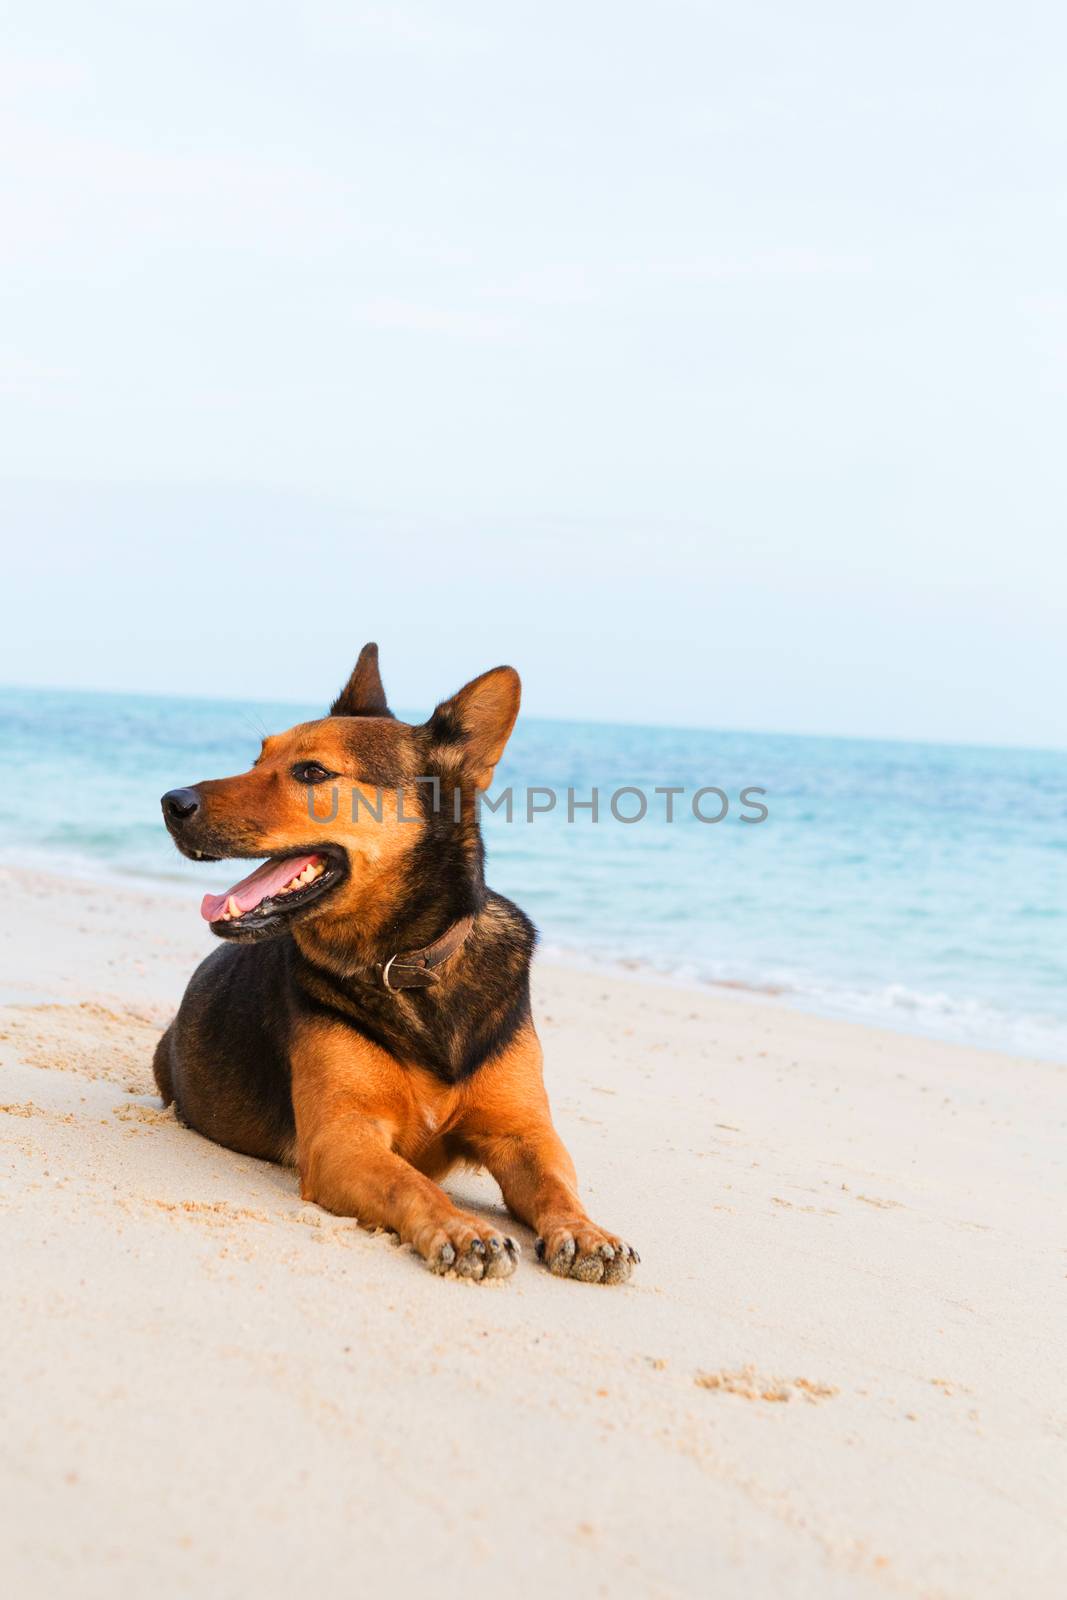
(279, 888)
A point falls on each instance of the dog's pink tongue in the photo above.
(257, 887)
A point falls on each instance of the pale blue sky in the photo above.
(707, 362)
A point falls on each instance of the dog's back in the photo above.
(223, 1062)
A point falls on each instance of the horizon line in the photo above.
(603, 722)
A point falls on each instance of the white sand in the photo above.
(212, 1389)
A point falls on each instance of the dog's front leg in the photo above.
(348, 1166)
(537, 1179)
(509, 1130)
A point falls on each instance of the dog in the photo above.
(367, 1015)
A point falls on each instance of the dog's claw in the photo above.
(562, 1260)
(539, 1249)
(443, 1259)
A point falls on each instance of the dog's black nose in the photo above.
(180, 804)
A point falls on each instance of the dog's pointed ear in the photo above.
(477, 722)
(363, 695)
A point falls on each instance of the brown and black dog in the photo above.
(367, 1017)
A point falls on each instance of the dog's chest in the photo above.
(432, 1111)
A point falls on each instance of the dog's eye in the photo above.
(311, 772)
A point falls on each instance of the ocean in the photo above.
(919, 887)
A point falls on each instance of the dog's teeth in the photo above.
(232, 908)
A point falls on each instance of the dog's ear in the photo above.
(363, 695)
(477, 722)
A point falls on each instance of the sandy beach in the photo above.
(837, 1372)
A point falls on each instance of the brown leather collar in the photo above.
(416, 969)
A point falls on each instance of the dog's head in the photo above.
(351, 809)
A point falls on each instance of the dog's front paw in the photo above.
(469, 1248)
(579, 1249)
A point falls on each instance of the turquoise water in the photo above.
(921, 887)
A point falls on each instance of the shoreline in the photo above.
(832, 1006)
